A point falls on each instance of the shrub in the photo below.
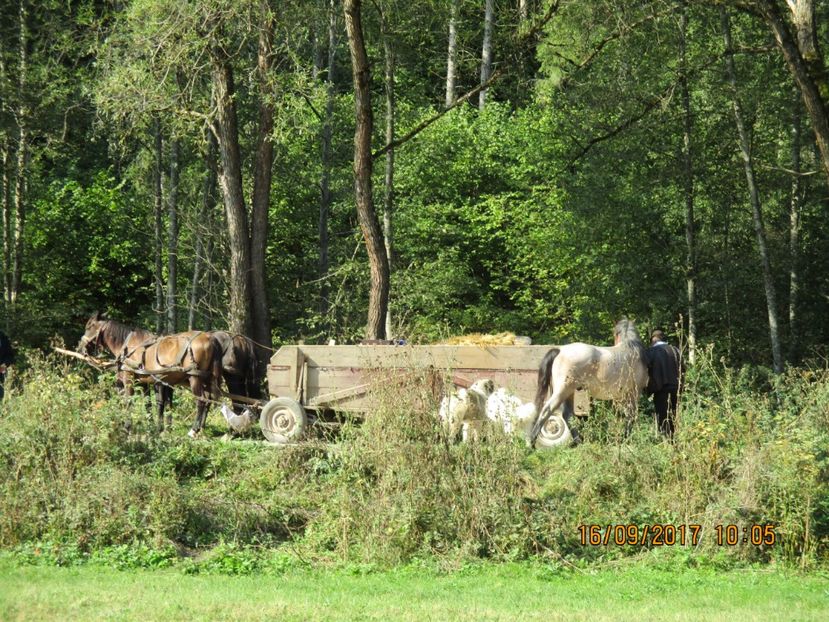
(82, 474)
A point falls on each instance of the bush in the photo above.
(83, 475)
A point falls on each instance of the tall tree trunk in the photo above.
(20, 187)
(806, 65)
(388, 197)
(756, 208)
(325, 179)
(158, 230)
(370, 226)
(688, 178)
(523, 9)
(486, 50)
(317, 47)
(795, 202)
(202, 229)
(230, 181)
(263, 173)
(213, 227)
(805, 26)
(725, 274)
(452, 54)
(172, 237)
(7, 222)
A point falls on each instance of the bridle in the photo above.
(97, 339)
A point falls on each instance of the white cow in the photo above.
(510, 413)
(465, 410)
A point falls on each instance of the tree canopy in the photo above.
(195, 161)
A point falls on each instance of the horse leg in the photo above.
(631, 408)
(197, 387)
(569, 409)
(236, 386)
(167, 400)
(553, 404)
(128, 385)
(158, 389)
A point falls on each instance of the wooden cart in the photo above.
(321, 379)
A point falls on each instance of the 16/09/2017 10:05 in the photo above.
(671, 535)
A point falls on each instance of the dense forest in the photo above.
(316, 169)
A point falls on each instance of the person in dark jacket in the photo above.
(664, 375)
(6, 359)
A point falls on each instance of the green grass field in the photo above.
(503, 592)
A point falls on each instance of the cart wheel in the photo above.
(555, 433)
(283, 421)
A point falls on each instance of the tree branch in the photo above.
(522, 37)
(627, 123)
(427, 122)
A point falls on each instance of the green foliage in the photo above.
(91, 482)
(552, 212)
(88, 244)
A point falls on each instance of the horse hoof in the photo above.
(192, 433)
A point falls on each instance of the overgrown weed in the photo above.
(83, 476)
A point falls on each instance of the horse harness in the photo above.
(141, 368)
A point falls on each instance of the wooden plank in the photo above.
(335, 397)
(344, 397)
(298, 363)
(442, 357)
(338, 374)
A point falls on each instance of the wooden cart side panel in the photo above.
(341, 377)
(441, 357)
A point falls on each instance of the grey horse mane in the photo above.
(625, 329)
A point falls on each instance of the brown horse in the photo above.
(241, 369)
(135, 339)
(193, 357)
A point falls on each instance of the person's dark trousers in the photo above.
(664, 402)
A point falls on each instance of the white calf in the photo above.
(465, 410)
(509, 411)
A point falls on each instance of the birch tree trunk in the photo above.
(7, 222)
(452, 54)
(325, 179)
(158, 232)
(172, 237)
(486, 51)
(388, 196)
(726, 277)
(263, 173)
(523, 10)
(202, 228)
(688, 179)
(795, 203)
(230, 181)
(754, 195)
(370, 226)
(20, 186)
(805, 62)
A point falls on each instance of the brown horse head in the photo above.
(91, 339)
(101, 332)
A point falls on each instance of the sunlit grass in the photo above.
(485, 592)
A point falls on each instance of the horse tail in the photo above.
(216, 354)
(254, 371)
(545, 375)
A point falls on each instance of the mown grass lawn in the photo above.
(504, 592)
